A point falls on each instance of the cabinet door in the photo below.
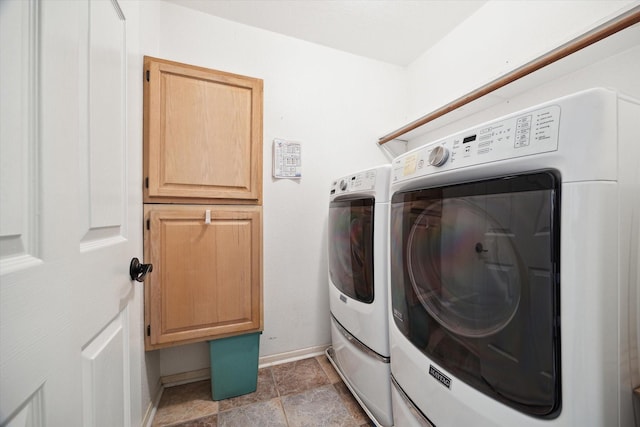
(207, 277)
(202, 135)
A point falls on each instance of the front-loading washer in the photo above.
(358, 294)
(514, 253)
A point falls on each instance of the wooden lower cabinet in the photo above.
(206, 281)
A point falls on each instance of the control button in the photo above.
(343, 185)
(438, 156)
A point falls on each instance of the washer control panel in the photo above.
(359, 182)
(523, 134)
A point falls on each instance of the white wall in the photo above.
(612, 64)
(500, 37)
(337, 105)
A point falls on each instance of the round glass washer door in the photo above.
(463, 267)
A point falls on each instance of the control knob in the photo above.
(343, 185)
(438, 156)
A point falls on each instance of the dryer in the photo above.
(358, 292)
(514, 253)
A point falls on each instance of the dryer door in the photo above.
(351, 247)
(474, 277)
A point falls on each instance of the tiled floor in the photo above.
(306, 393)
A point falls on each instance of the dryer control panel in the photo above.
(524, 134)
(359, 182)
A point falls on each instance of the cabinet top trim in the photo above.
(148, 60)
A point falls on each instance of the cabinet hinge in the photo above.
(148, 225)
(148, 330)
(146, 182)
(148, 75)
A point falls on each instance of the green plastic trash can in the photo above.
(234, 365)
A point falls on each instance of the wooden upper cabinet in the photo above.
(202, 135)
(207, 275)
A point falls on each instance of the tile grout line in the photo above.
(275, 384)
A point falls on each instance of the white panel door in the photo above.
(69, 355)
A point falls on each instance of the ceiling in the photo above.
(393, 31)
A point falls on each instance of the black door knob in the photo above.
(138, 271)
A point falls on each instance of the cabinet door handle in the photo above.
(138, 271)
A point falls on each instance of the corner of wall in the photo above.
(393, 148)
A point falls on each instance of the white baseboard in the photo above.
(153, 407)
(291, 356)
(186, 377)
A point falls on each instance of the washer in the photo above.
(514, 269)
(358, 291)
